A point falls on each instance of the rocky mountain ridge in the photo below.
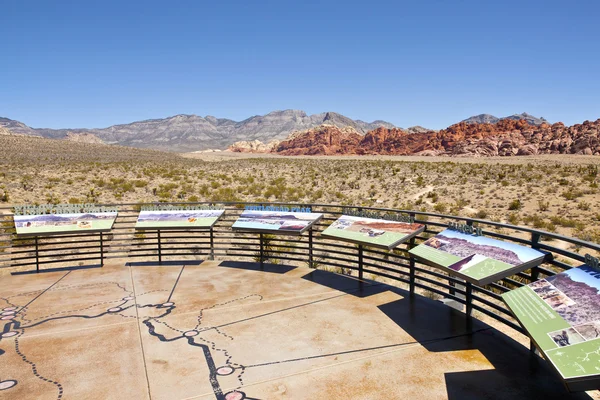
(506, 137)
(490, 119)
(186, 133)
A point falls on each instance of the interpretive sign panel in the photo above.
(371, 231)
(51, 219)
(476, 259)
(282, 222)
(177, 219)
(561, 313)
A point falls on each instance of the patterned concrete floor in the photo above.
(227, 330)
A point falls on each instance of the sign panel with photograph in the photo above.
(477, 259)
(282, 222)
(371, 231)
(48, 224)
(561, 314)
(177, 219)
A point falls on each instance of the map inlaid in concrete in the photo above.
(229, 330)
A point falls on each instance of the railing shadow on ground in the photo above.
(345, 283)
(254, 266)
(175, 263)
(514, 372)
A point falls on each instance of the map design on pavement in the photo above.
(229, 330)
(16, 325)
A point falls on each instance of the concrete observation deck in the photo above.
(228, 330)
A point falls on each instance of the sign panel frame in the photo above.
(81, 223)
(179, 218)
(479, 260)
(366, 231)
(262, 219)
(561, 315)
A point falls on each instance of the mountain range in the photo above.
(490, 119)
(185, 133)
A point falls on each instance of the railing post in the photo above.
(37, 255)
(101, 249)
(535, 244)
(535, 240)
(262, 253)
(159, 246)
(469, 298)
(310, 248)
(411, 266)
(211, 256)
(360, 261)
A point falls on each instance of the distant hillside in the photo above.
(490, 119)
(23, 149)
(185, 133)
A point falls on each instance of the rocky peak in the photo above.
(324, 139)
(253, 146)
(481, 119)
(83, 138)
(490, 119)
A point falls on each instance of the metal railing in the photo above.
(395, 266)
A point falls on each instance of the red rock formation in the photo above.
(322, 140)
(504, 138)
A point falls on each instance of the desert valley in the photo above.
(520, 170)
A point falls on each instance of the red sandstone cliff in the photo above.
(503, 138)
(322, 140)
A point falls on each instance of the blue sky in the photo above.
(431, 63)
(580, 275)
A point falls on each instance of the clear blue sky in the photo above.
(70, 64)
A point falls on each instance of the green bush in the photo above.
(515, 205)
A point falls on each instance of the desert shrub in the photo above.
(440, 207)
(585, 206)
(572, 194)
(515, 205)
(433, 196)
(481, 214)
(513, 218)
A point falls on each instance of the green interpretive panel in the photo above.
(177, 219)
(49, 224)
(372, 231)
(477, 259)
(561, 313)
(276, 222)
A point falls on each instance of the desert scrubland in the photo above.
(553, 193)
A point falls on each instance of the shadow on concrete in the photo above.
(346, 283)
(74, 268)
(175, 263)
(517, 373)
(254, 266)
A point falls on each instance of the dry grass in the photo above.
(557, 194)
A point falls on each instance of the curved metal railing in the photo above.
(316, 251)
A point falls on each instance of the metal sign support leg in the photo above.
(310, 249)
(37, 255)
(101, 249)
(262, 252)
(469, 298)
(159, 246)
(411, 266)
(360, 261)
(212, 244)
